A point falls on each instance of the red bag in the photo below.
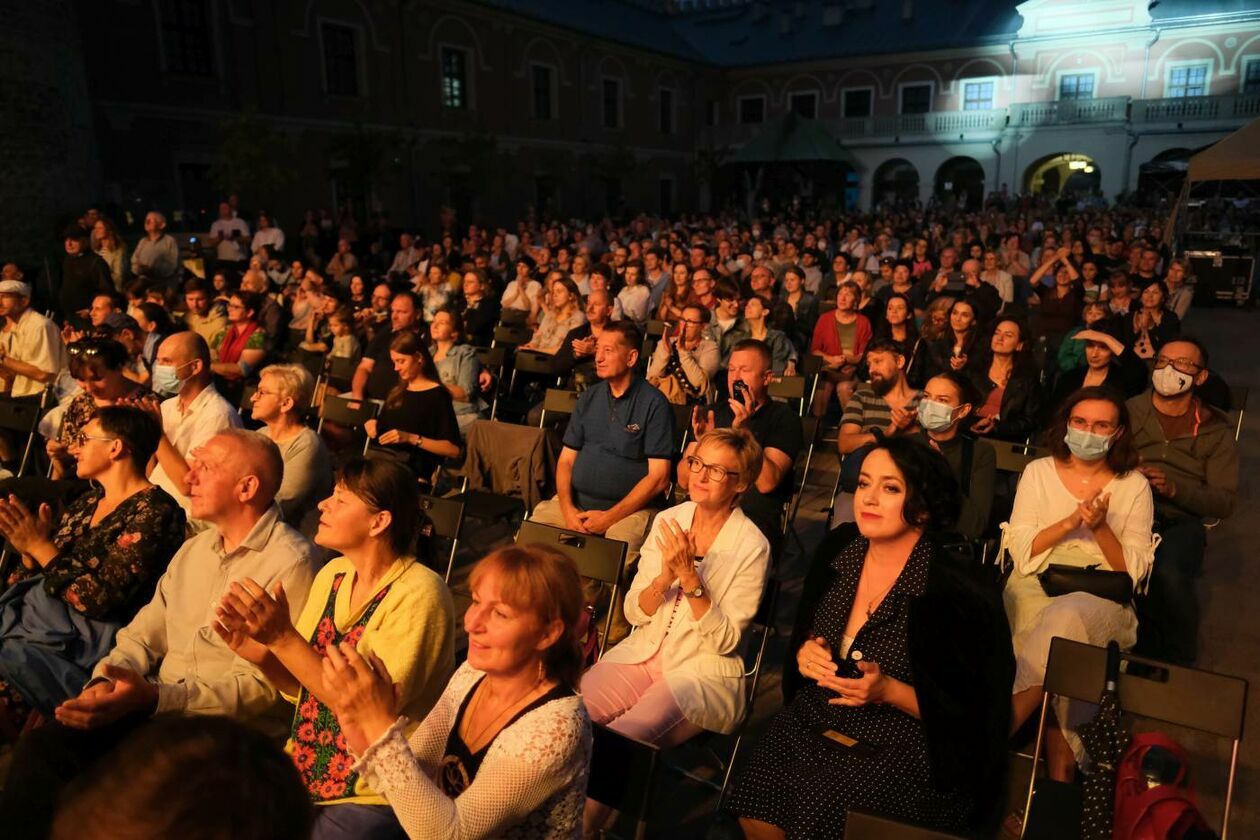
(1163, 812)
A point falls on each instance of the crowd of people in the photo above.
(186, 546)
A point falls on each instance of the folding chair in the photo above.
(340, 410)
(597, 558)
(447, 517)
(557, 401)
(541, 364)
(1214, 704)
(513, 316)
(341, 371)
(789, 388)
(1014, 457)
(511, 335)
(1238, 403)
(682, 425)
(805, 459)
(493, 359)
(654, 329)
(623, 774)
(809, 366)
(859, 825)
(312, 361)
(22, 416)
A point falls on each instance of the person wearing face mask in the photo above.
(1189, 455)
(1084, 505)
(945, 402)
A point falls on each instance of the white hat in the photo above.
(15, 287)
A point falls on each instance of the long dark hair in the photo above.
(884, 329)
(1023, 364)
(1122, 457)
(409, 343)
(385, 485)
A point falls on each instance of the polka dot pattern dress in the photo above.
(796, 780)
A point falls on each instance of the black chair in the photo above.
(597, 558)
(860, 825)
(348, 412)
(22, 417)
(341, 371)
(511, 335)
(557, 402)
(447, 517)
(1214, 704)
(804, 460)
(1238, 405)
(623, 775)
(513, 316)
(540, 364)
(789, 388)
(493, 359)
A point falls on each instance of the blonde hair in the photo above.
(743, 446)
(293, 381)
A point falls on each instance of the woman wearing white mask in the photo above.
(946, 401)
(1085, 505)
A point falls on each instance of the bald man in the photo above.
(169, 659)
(193, 413)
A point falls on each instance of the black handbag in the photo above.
(1061, 579)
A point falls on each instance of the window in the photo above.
(1251, 77)
(186, 44)
(454, 78)
(857, 102)
(752, 110)
(665, 97)
(1076, 86)
(916, 98)
(612, 103)
(667, 195)
(804, 104)
(341, 60)
(1187, 80)
(977, 96)
(543, 78)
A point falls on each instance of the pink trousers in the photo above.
(634, 700)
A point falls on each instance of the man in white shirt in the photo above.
(268, 236)
(406, 258)
(196, 412)
(156, 258)
(31, 350)
(229, 236)
(170, 659)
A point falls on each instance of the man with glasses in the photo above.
(772, 424)
(1189, 456)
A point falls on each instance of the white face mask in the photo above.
(1170, 382)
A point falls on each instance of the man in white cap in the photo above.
(31, 350)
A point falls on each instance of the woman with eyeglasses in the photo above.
(1085, 505)
(98, 366)
(701, 574)
(86, 576)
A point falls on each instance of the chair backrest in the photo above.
(511, 334)
(655, 329)
(682, 424)
(1013, 457)
(340, 410)
(19, 415)
(1188, 697)
(1238, 406)
(527, 361)
(513, 316)
(809, 365)
(596, 557)
(860, 825)
(558, 401)
(313, 362)
(787, 388)
(342, 368)
(445, 514)
(623, 772)
(491, 358)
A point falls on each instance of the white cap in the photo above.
(15, 287)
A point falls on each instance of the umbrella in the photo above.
(1105, 739)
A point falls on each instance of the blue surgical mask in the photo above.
(165, 380)
(935, 416)
(1087, 446)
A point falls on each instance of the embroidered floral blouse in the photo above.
(109, 571)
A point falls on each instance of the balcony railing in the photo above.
(1070, 112)
(1237, 106)
(936, 123)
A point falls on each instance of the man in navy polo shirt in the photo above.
(617, 449)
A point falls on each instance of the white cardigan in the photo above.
(701, 659)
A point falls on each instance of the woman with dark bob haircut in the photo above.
(898, 700)
(1083, 505)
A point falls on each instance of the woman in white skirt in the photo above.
(1085, 505)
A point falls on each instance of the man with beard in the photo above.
(884, 407)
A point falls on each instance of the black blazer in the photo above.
(1021, 403)
(963, 664)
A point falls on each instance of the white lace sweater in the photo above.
(531, 784)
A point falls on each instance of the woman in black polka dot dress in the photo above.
(899, 693)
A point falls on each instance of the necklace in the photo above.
(870, 605)
(477, 701)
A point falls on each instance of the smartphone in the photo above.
(739, 389)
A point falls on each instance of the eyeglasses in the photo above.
(83, 437)
(1102, 427)
(713, 472)
(86, 347)
(691, 321)
(1182, 365)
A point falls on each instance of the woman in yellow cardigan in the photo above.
(376, 597)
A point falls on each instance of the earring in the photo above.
(542, 674)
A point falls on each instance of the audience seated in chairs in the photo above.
(1008, 384)
(417, 424)
(700, 578)
(958, 347)
(899, 694)
(83, 577)
(32, 354)
(168, 659)
(563, 314)
(1108, 364)
(478, 308)
(375, 376)
(458, 366)
(945, 404)
(377, 598)
(280, 403)
(508, 743)
(1085, 505)
(1189, 456)
(685, 360)
(840, 339)
(576, 354)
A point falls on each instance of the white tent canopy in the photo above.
(1236, 158)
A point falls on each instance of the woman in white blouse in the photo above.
(506, 750)
(700, 578)
(564, 314)
(1084, 505)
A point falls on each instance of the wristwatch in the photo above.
(698, 592)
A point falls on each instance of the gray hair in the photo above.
(293, 381)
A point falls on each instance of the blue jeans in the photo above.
(343, 822)
(1168, 614)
